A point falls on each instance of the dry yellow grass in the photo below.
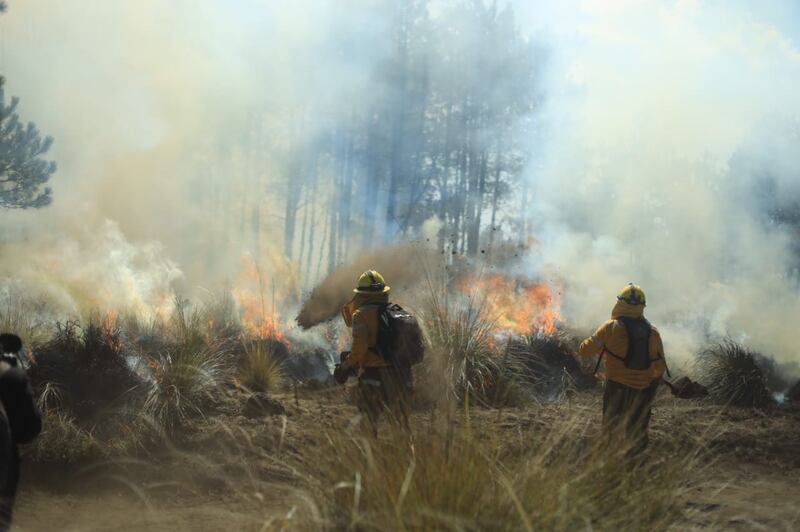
(261, 370)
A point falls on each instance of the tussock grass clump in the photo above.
(545, 365)
(461, 352)
(456, 478)
(262, 371)
(184, 377)
(732, 375)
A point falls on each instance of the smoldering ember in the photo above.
(399, 265)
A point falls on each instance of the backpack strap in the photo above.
(599, 360)
(604, 351)
(381, 307)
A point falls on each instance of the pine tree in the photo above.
(23, 171)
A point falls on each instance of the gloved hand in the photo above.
(340, 374)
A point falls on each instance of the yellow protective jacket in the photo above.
(614, 338)
(361, 315)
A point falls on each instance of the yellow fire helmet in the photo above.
(633, 295)
(371, 282)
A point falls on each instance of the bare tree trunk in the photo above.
(398, 155)
(477, 206)
(523, 211)
(333, 225)
(495, 197)
(346, 195)
(304, 228)
(444, 200)
(371, 185)
(322, 247)
(461, 207)
(256, 229)
(294, 185)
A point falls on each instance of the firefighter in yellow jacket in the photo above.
(380, 385)
(634, 364)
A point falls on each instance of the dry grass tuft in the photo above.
(262, 371)
(461, 351)
(732, 375)
(63, 441)
(545, 365)
(184, 378)
(458, 478)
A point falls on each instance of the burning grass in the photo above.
(496, 340)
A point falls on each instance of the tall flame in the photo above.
(515, 305)
(257, 306)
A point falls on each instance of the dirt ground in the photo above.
(751, 480)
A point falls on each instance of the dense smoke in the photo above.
(153, 107)
(672, 161)
(658, 141)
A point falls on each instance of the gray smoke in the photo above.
(672, 150)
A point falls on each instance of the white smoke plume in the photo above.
(663, 121)
(153, 106)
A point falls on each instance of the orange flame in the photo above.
(257, 308)
(516, 305)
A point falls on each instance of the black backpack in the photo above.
(638, 355)
(400, 339)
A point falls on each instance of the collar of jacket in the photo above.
(358, 301)
(626, 310)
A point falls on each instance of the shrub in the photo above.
(732, 375)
